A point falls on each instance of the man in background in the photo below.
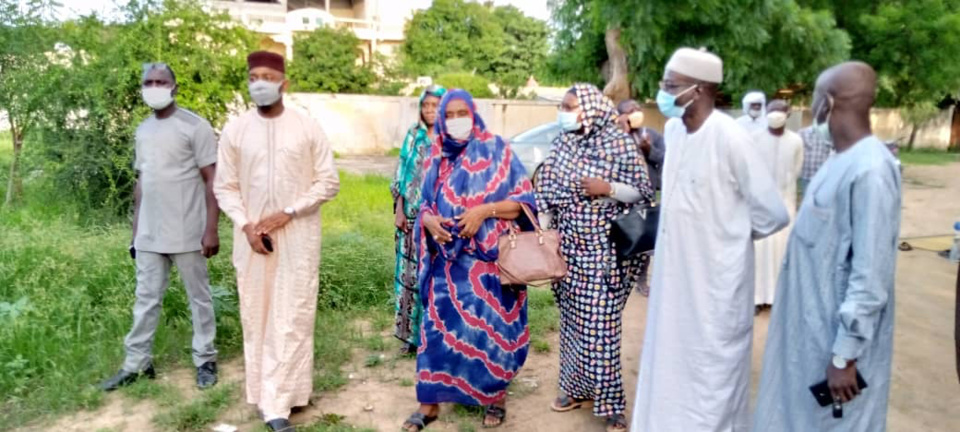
(817, 148)
(781, 152)
(653, 150)
(754, 116)
(174, 223)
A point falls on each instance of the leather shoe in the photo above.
(207, 375)
(280, 425)
(124, 378)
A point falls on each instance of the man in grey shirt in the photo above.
(174, 222)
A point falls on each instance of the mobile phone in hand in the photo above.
(267, 243)
(133, 252)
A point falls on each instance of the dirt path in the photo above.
(925, 394)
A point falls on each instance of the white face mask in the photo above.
(636, 119)
(460, 128)
(265, 93)
(157, 98)
(754, 113)
(776, 119)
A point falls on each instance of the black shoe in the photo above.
(280, 425)
(124, 378)
(207, 375)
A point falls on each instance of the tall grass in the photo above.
(928, 157)
(67, 288)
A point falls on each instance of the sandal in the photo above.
(565, 403)
(616, 423)
(498, 413)
(419, 421)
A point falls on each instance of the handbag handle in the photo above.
(533, 221)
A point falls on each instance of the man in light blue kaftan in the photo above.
(834, 311)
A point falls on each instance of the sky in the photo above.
(74, 8)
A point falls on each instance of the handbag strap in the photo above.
(533, 220)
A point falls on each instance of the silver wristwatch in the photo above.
(839, 362)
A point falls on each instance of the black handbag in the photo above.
(635, 231)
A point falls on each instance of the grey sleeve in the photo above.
(657, 148)
(204, 145)
(875, 225)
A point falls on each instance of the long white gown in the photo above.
(783, 156)
(717, 198)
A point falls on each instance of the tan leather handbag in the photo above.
(530, 258)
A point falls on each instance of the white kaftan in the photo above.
(836, 296)
(264, 166)
(783, 156)
(717, 198)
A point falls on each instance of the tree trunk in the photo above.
(618, 86)
(15, 184)
(913, 136)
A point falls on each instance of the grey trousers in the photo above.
(153, 278)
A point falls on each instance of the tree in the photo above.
(25, 37)
(89, 123)
(325, 60)
(914, 46)
(765, 44)
(478, 86)
(500, 44)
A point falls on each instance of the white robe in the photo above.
(752, 125)
(783, 156)
(717, 198)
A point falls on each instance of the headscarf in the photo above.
(415, 150)
(463, 175)
(601, 149)
(752, 98)
(450, 146)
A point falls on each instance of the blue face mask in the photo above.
(568, 121)
(823, 129)
(668, 103)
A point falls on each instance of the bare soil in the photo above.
(925, 393)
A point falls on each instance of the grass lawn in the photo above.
(67, 288)
(928, 157)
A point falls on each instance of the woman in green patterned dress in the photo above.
(406, 195)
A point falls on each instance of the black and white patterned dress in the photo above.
(592, 296)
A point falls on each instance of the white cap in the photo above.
(697, 64)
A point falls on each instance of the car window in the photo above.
(542, 133)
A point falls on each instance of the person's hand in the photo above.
(471, 220)
(255, 240)
(594, 187)
(401, 218)
(273, 223)
(645, 144)
(843, 382)
(210, 244)
(623, 122)
(435, 226)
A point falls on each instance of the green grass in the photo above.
(67, 288)
(196, 414)
(928, 157)
(394, 152)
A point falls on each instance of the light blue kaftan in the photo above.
(835, 295)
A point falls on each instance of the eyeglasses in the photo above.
(670, 86)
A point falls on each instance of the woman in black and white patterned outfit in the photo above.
(593, 173)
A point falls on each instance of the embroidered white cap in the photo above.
(697, 64)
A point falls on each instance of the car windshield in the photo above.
(543, 133)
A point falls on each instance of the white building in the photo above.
(378, 24)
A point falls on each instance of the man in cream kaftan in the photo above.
(781, 152)
(716, 199)
(270, 166)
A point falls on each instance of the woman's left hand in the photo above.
(471, 221)
(594, 187)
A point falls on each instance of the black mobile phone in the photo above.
(133, 252)
(821, 391)
(267, 243)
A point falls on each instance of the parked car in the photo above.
(532, 146)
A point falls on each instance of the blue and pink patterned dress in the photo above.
(474, 335)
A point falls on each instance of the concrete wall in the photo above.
(361, 124)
